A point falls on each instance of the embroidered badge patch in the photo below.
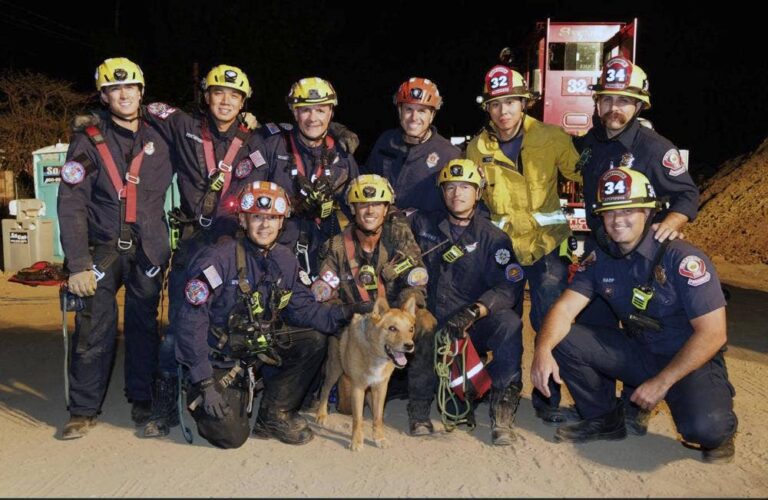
(247, 201)
(257, 159)
(160, 110)
(331, 278)
(514, 273)
(693, 268)
(674, 163)
(321, 290)
(72, 172)
(502, 256)
(432, 160)
(149, 148)
(418, 277)
(196, 292)
(243, 168)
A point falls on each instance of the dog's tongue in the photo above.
(400, 359)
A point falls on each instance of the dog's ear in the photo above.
(410, 306)
(381, 306)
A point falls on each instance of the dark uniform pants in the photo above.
(547, 279)
(233, 430)
(591, 361)
(94, 340)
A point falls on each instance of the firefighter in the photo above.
(236, 291)
(411, 156)
(618, 138)
(307, 161)
(217, 153)
(114, 233)
(673, 334)
(376, 253)
(474, 284)
(522, 158)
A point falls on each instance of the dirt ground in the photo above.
(113, 462)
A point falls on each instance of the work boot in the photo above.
(609, 426)
(503, 406)
(78, 426)
(286, 426)
(165, 410)
(723, 454)
(636, 421)
(419, 423)
(555, 417)
(140, 412)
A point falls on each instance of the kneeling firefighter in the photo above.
(245, 300)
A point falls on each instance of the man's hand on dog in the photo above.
(458, 324)
(349, 310)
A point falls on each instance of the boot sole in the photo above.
(264, 434)
(616, 435)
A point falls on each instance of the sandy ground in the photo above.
(113, 462)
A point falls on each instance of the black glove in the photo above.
(322, 189)
(458, 324)
(213, 404)
(349, 310)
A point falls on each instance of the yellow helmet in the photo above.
(624, 188)
(118, 71)
(621, 77)
(370, 188)
(311, 91)
(502, 81)
(462, 170)
(228, 76)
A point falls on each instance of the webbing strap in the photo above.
(354, 266)
(329, 145)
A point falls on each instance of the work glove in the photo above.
(82, 284)
(349, 310)
(250, 120)
(458, 324)
(322, 189)
(347, 139)
(213, 404)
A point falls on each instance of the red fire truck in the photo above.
(561, 61)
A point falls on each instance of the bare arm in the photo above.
(709, 335)
(557, 324)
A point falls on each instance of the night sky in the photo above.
(707, 69)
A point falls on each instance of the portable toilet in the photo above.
(47, 164)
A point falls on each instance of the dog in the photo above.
(367, 352)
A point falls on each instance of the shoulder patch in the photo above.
(212, 275)
(587, 261)
(693, 268)
(502, 256)
(514, 273)
(418, 277)
(321, 290)
(286, 126)
(330, 278)
(72, 172)
(196, 292)
(674, 162)
(160, 110)
(273, 128)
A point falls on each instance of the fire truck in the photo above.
(560, 61)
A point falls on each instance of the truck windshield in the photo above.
(583, 56)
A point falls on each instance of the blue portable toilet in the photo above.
(47, 163)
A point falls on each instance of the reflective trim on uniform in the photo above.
(551, 218)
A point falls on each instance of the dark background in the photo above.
(707, 67)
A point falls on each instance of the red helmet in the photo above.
(418, 91)
(503, 81)
(261, 197)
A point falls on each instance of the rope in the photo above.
(444, 359)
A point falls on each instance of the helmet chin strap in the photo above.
(421, 139)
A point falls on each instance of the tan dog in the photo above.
(369, 349)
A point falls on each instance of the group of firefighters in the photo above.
(280, 238)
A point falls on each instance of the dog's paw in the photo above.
(382, 443)
(355, 446)
(321, 419)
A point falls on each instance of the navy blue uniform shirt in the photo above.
(686, 288)
(412, 168)
(212, 292)
(487, 273)
(88, 206)
(654, 156)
